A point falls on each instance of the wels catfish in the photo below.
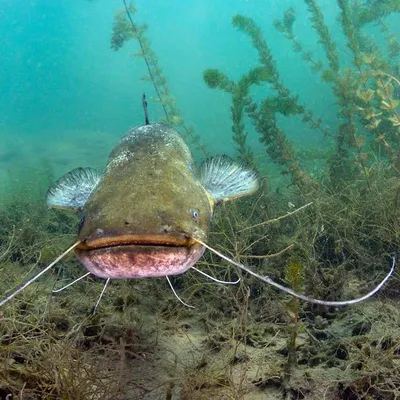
(140, 218)
(148, 214)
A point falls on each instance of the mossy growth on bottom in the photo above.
(235, 343)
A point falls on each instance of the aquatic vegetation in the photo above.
(237, 346)
(240, 101)
(295, 279)
(124, 29)
(360, 176)
(264, 116)
(27, 226)
(330, 233)
(350, 87)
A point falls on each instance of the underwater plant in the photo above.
(328, 234)
(240, 102)
(295, 279)
(347, 86)
(264, 116)
(356, 191)
(125, 29)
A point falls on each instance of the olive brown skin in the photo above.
(141, 218)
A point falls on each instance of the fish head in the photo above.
(147, 208)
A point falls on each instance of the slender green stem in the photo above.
(137, 33)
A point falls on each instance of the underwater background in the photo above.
(63, 85)
(305, 92)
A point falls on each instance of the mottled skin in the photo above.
(140, 220)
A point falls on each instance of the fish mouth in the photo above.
(138, 256)
(132, 240)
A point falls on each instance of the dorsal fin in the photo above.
(146, 114)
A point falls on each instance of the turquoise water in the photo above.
(67, 97)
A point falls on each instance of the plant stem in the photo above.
(137, 33)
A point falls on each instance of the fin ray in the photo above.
(73, 189)
(226, 179)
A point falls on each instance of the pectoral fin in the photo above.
(226, 179)
(73, 189)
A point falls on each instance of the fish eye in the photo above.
(195, 215)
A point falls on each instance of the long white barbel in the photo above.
(101, 295)
(27, 283)
(70, 284)
(176, 294)
(268, 280)
(215, 279)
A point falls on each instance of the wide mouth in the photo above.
(122, 260)
(136, 240)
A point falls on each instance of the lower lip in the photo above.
(132, 261)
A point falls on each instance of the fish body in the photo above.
(140, 218)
